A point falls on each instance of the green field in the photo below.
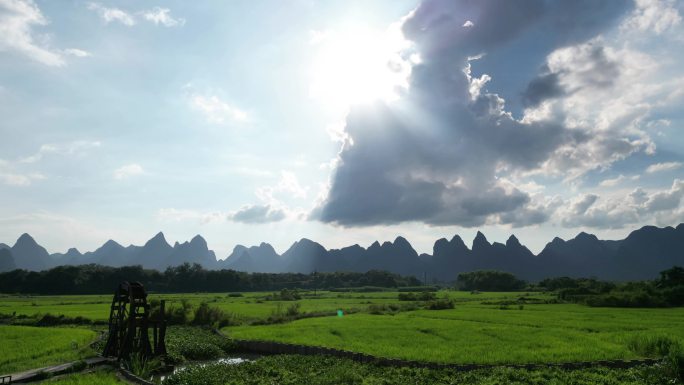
(249, 307)
(481, 328)
(482, 334)
(25, 347)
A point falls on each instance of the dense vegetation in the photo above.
(191, 343)
(488, 280)
(296, 370)
(667, 291)
(96, 279)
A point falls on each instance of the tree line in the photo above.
(186, 278)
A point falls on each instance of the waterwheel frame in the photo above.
(129, 322)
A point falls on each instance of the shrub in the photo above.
(176, 315)
(422, 296)
(54, 320)
(293, 310)
(440, 304)
(285, 295)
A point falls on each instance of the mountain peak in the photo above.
(440, 244)
(26, 238)
(401, 241)
(512, 241)
(198, 240)
(456, 240)
(480, 241)
(586, 237)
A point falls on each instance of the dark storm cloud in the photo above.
(543, 87)
(437, 154)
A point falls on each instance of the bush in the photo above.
(53, 320)
(422, 296)
(440, 304)
(284, 295)
(176, 315)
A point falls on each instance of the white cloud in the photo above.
(77, 52)
(156, 15)
(162, 16)
(653, 15)
(13, 179)
(11, 171)
(619, 210)
(128, 170)
(616, 181)
(112, 14)
(72, 148)
(216, 110)
(288, 183)
(17, 19)
(666, 166)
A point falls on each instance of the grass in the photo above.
(249, 307)
(99, 377)
(482, 328)
(313, 370)
(24, 347)
(482, 334)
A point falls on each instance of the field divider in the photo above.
(272, 347)
(71, 367)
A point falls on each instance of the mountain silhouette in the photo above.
(307, 256)
(641, 255)
(196, 251)
(262, 258)
(29, 255)
(6, 260)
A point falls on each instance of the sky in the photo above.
(339, 121)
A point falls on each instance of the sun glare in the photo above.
(358, 66)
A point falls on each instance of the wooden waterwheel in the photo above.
(129, 322)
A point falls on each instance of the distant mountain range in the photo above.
(641, 255)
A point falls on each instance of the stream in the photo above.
(230, 360)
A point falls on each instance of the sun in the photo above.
(358, 65)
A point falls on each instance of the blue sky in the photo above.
(343, 122)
